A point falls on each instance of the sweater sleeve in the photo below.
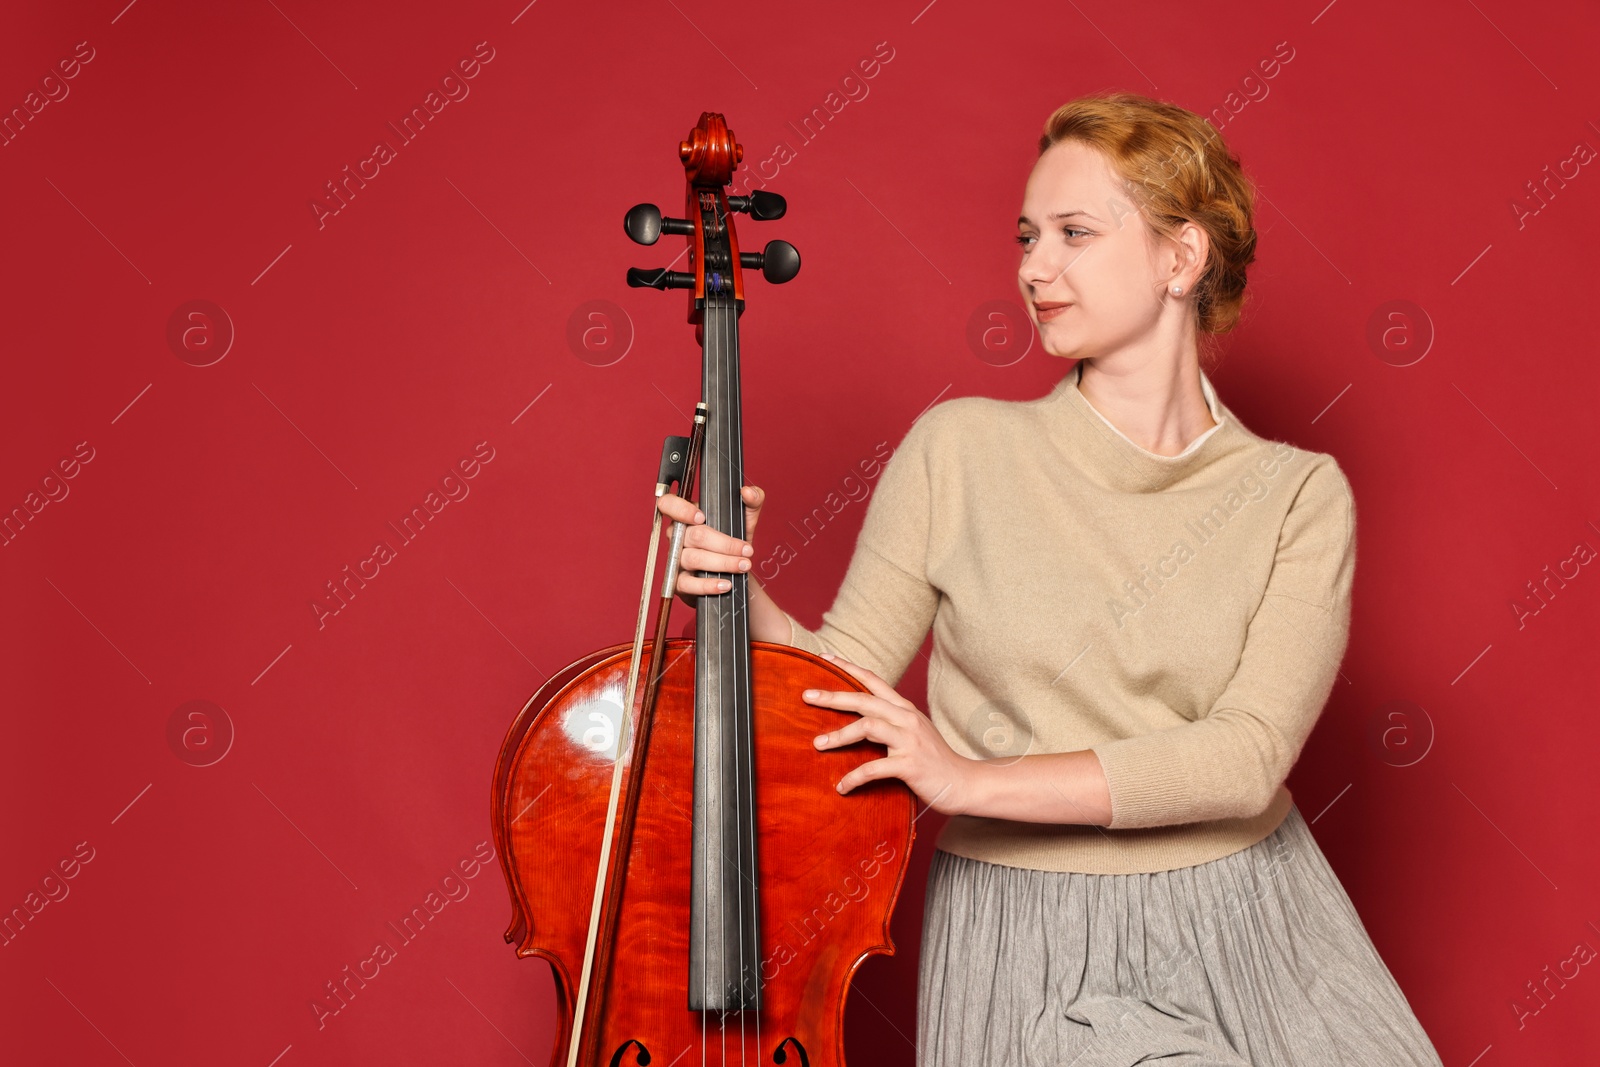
(886, 604)
(1230, 762)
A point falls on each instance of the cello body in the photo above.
(680, 854)
(831, 865)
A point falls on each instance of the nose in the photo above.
(1041, 268)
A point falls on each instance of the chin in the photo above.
(1060, 346)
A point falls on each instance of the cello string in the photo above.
(726, 624)
(736, 511)
(723, 690)
(731, 501)
(726, 315)
(704, 651)
(736, 620)
(730, 697)
(719, 343)
(744, 775)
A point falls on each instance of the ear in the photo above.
(1193, 248)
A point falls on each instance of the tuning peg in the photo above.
(645, 224)
(778, 262)
(762, 205)
(659, 278)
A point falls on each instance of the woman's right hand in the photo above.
(706, 549)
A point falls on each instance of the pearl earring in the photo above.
(1177, 290)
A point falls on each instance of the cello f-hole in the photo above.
(781, 1056)
(643, 1058)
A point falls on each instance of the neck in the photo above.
(1159, 406)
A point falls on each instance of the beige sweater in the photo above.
(1182, 616)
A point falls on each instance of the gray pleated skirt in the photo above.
(1257, 959)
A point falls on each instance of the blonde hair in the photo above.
(1178, 169)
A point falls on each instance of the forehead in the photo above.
(1070, 176)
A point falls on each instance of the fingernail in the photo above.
(819, 739)
(724, 585)
(811, 694)
(749, 549)
(829, 655)
(699, 516)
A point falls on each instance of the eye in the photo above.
(1070, 232)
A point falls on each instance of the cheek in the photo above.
(1119, 280)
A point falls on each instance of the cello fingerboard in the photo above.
(724, 935)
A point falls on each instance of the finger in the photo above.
(875, 685)
(695, 586)
(871, 771)
(714, 540)
(877, 731)
(754, 497)
(676, 507)
(698, 559)
(864, 704)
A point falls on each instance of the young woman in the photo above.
(1139, 609)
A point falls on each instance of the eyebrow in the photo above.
(1023, 220)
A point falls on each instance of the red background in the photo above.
(375, 351)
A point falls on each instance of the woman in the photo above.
(1139, 609)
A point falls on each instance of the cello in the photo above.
(677, 850)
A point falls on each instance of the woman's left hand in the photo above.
(918, 755)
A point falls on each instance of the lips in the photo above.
(1047, 310)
